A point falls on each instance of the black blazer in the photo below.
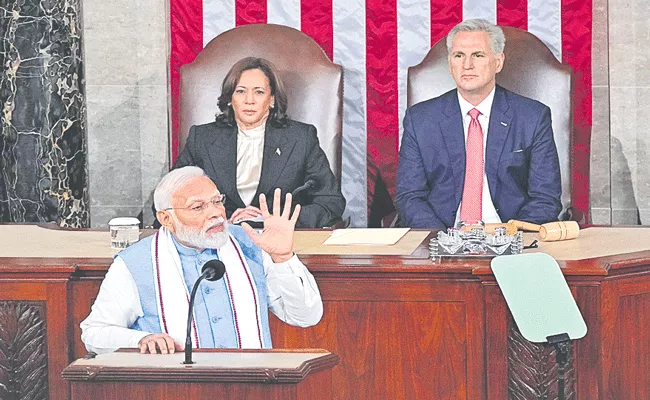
(213, 147)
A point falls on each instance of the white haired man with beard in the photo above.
(144, 300)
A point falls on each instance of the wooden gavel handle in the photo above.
(526, 226)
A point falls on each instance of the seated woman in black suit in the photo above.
(253, 148)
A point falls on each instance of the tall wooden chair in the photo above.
(314, 84)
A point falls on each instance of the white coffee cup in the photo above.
(124, 232)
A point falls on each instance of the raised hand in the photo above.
(277, 236)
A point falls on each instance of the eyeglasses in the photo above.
(199, 207)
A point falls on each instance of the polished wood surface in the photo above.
(263, 378)
(316, 387)
(405, 327)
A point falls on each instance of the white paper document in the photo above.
(366, 236)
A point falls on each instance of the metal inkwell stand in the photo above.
(477, 240)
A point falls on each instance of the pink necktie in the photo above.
(472, 203)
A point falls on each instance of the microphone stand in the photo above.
(561, 344)
(190, 317)
(213, 270)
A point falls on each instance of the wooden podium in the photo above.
(216, 374)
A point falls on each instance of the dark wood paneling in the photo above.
(402, 325)
(533, 370)
(47, 283)
(425, 351)
(23, 350)
(181, 391)
(496, 342)
(399, 338)
(628, 347)
(587, 349)
(82, 297)
(58, 338)
(625, 331)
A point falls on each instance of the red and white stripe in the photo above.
(244, 299)
(376, 41)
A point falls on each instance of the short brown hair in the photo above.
(277, 114)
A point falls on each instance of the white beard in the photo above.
(201, 239)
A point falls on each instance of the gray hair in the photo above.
(171, 183)
(497, 39)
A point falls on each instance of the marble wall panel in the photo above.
(630, 139)
(114, 150)
(629, 38)
(110, 42)
(126, 67)
(154, 152)
(629, 79)
(599, 44)
(42, 138)
(600, 171)
(101, 214)
(621, 85)
(152, 45)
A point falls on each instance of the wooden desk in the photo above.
(403, 327)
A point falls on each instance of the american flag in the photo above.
(376, 41)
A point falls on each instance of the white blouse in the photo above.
(250, 151)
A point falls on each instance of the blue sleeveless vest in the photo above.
(213, 310)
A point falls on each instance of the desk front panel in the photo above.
(399, 338)
(405, 327)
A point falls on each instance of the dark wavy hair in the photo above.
(277, 114)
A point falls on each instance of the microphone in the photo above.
(213, 270)
(310, 184)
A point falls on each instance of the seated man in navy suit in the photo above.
(478, 152)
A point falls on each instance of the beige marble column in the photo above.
(126, 86)
(600, 194)
(629, 104)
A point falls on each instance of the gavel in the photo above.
(551, 231)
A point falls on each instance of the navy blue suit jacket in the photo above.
(521, 161)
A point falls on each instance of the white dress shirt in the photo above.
(292, 294)
(250, 152)
(488, 210)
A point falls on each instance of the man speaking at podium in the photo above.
(144, 300)
(478, 152)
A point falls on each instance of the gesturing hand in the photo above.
(277, 236)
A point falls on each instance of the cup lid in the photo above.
(124, 221)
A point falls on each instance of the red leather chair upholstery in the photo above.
(314, 84)
(531, 70)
